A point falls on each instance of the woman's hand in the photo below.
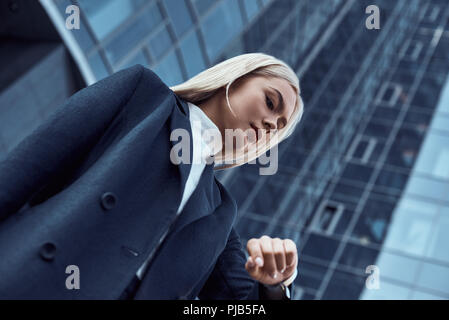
(271, 261)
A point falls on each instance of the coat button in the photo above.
(48, 251)
(108, 200)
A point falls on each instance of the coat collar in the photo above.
(207, 196)
(180, 119)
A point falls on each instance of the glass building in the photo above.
(178, 39)
(363, 183)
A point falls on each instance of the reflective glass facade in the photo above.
(180, 38)
(363, 181)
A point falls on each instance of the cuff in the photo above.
(291, 279)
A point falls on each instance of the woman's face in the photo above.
(264, 103)
(260, 103)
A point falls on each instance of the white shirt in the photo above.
(206, 139)
(202, 149)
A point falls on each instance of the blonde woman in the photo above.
(99, 201)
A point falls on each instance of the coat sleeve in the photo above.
(229, 279)
(67, 135)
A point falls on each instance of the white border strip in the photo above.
(69, 40)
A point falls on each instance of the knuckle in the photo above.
(278, 244)
(251, 242)
(290, 243)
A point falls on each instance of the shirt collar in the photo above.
(206, 129)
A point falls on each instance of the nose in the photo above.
(269, 124)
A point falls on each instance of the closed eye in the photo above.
(270, 104)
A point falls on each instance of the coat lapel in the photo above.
(203, 201)
(190, 252)
(180, 119)
(206, 196)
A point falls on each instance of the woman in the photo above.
(92, 205)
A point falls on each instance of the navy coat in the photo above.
(94, 187)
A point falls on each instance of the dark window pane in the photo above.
(378, 130)
(405, 148)
(346, 191)
(98, 66)
(202, 5)
(268, 198)
(385, 113)
(249, 228)
(139, 58)
(310, 274)
(193, 58)
(372, 224)
(160, 43)
(320, 247)
(226, 16)
(179, 16)
(130, 36)
(357, 256)
(344, 286)
(251, 7)
(427, 94)
(106, 15)
(391, 181)
(357, 172)
(241, 187)
(169, 70)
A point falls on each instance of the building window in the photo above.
(220, 26)
(179, 16)
(411, 51)
(326, 218)
(389, 94)
(106, 15)
(169, 70)
(361, 149)
(191, 53)
(160, 43)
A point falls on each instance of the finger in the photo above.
(290, 252)
(250, 265)
(268, 256)
(255, 251)
(279, 254)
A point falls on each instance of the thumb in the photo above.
(251, 267)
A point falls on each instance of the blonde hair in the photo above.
(205, 84)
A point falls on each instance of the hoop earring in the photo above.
(227, 100)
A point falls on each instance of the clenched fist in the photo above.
(271, 261)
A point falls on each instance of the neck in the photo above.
(213, 109)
